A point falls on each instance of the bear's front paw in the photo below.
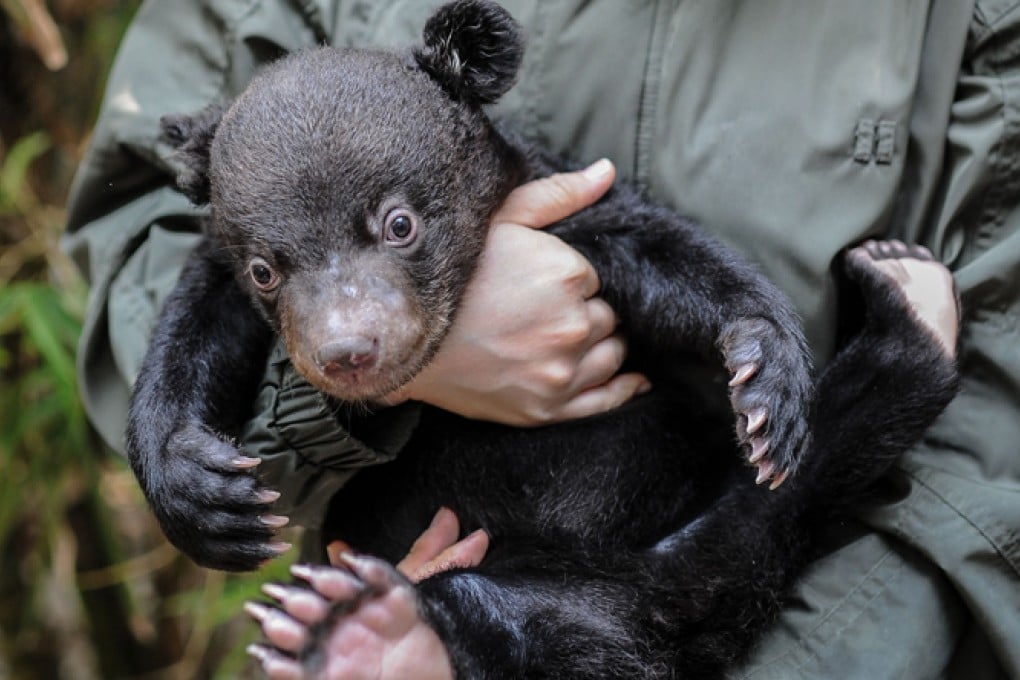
(210, 504)
(770, 391)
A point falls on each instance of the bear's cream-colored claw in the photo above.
(304, 605)
(779, 479)
(274, 521)
(276, 666)
(246, 462)
(283, 631)
(336, 584)
(759, 447)
(267, 496)
(756, 418)
(765, 471)
(743, 374)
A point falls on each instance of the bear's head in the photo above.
(351, 191)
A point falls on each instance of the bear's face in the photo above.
(351, 191)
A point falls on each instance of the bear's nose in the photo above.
(347, 354)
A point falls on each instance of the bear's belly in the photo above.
(623, 479)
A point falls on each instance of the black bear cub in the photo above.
(350, 194)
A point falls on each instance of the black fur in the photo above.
(472, 49)
(634, 544)
(669, 566)
(192, 136)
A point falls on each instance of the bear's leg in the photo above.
(677, 289)
(890, 381)
(539, 616)
(874, 401)
(195, 386)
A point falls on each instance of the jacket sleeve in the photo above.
(963, 508)
(304, 451)
(934, 589)
(130, 231)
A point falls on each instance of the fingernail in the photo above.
(443, 511)
(280, 547)
(643, 388)
(598, 170)
(333, 551)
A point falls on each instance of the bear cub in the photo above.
(350, 193)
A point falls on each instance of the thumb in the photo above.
(542, 202)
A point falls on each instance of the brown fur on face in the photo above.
(303, 171)
(362, 305)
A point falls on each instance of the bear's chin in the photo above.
(370, 385)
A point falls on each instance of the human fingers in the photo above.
(605, 397)
(545, 201)
(520, 258)
(602, 320)
(598, 364)
(463, 554)
(596, 351)
(334, 550)
(441, 534)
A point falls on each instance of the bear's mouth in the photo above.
(364, 380)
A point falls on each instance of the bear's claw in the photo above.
(770, 391)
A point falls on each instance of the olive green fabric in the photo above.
(792, 129)
(303, 449)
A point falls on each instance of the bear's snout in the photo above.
(355, 334)
(347, 354)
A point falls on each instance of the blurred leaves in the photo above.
(37, 28)
(89, 588)
(14, 173)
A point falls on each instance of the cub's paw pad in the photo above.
(770, 388)
(911, 276)
(348, 621)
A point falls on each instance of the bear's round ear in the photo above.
(192, 137)
(473, 48)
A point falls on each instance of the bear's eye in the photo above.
(401, 227)
(263, 275)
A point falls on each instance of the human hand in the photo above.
(532, 344)
(436, 550)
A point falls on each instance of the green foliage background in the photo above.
(88, 586)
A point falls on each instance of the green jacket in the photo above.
(792, 129)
